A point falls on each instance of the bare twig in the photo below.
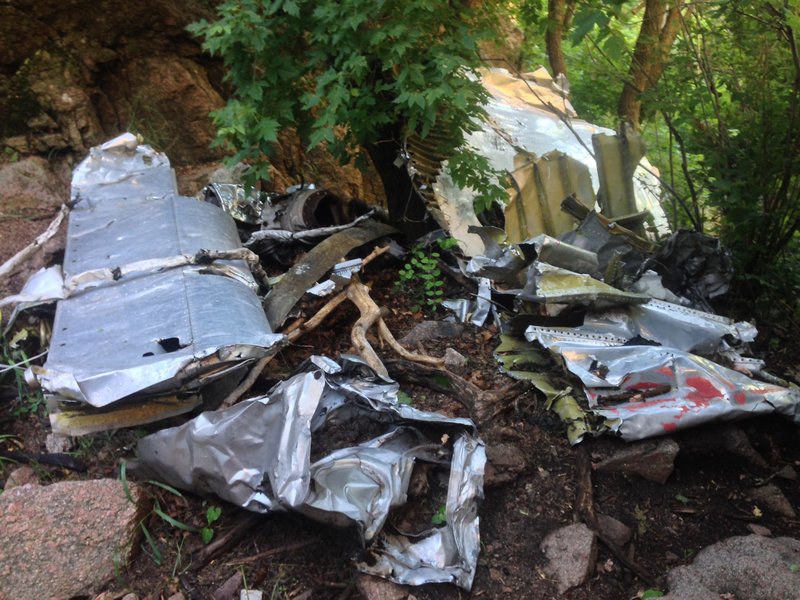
(13, 263)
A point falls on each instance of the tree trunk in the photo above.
(407, 209)
(556, 16)
(660, 27)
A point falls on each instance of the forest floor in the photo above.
(533, 490)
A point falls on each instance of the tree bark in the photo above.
(556, 16)
(660, 26)
(407, 209)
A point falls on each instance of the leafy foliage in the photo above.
(421, 277)
(348, 72)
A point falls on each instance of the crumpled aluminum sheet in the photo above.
(134, 170)
(232, 199)
(624, 386)
(664, 323)
(256, 454)
(158, 330)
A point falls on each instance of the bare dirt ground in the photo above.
(531, 489)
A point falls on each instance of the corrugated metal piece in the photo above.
(543, 184)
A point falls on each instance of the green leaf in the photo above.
(213, 514)
(440, 516)
(172, 521)
(206, 534)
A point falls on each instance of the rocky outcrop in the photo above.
(74, 73)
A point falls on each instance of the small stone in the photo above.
(58, 444)
(504, 463)
(788, 473)
(453, 359)
(671, 557)
(759, 529)
(432, 330)
(227, 591)
(375, 588)
(652, 459)
(20, 476)
(772, 497)
(571, 553)
(616, 531)
(130, 596)
(180, 596)
(251, 595)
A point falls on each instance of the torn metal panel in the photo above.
(133, 170)
(696, 390)
(306, 272)
(257, 454)
(145, 314)
(617, 158)
(447, 554)
(231, 197)
(531, 118)
(559, 286)
(660, 322)
(542, 185)
(152, 333)
(73, 419)
(561, 254)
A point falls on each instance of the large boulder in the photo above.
(66, 539)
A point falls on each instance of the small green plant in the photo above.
(13, 361)
(651, 593)
(403, 398)
(440, 516)
(206, 533)
(421, 277)
(212, 516)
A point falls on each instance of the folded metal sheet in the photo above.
(157, 330)
(644, 391)
(257, 454)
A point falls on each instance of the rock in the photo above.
(788, 473)
(652, 459)
(759, 529)
(752, 567)
(20, 476)
(375, 588)
(228, 590)
(616, 531)
(251, 595)
(453, 359)
(772, 497)
(504, 463)
(58, 444)
(66, 539)
(180, 596)
(571, 553)
(432, 330)
(728, 439)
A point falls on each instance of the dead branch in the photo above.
(584, 511)
(13, 263)
(228, 539)
(293, 332)
(358, 294)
